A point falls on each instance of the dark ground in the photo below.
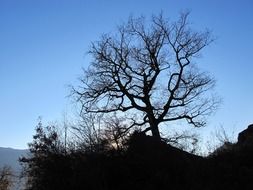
(147, 164)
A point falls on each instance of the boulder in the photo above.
(245, 138)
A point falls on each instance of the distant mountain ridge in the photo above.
(10, 156)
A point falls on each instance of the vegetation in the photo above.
(5, 178)
(144, 163)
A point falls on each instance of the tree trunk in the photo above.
(155, 131)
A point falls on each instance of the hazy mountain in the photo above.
(10, 156)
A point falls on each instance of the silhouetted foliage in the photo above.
(149, 70)
(41, 166)
(144, 163)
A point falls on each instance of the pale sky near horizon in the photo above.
(43, 45)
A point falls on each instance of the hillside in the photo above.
(145, 163)
(10, 156)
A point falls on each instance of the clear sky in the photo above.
(43, 45)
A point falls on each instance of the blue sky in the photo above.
(43, 46)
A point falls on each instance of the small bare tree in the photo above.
(94, 133)
(150, 71)
(88, 132)
(184, 140)
(115, 130)
(220, 142)
(5, 178)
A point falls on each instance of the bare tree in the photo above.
(94, 133)
(115, 130)
(5, 178)
(149, 70)
(185, 140)
(220, 142)
(88, 133)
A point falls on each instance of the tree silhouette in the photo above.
(41, 166)
(149, 69)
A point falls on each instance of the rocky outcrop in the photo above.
(245, 138)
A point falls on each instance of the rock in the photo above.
(245, 138)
